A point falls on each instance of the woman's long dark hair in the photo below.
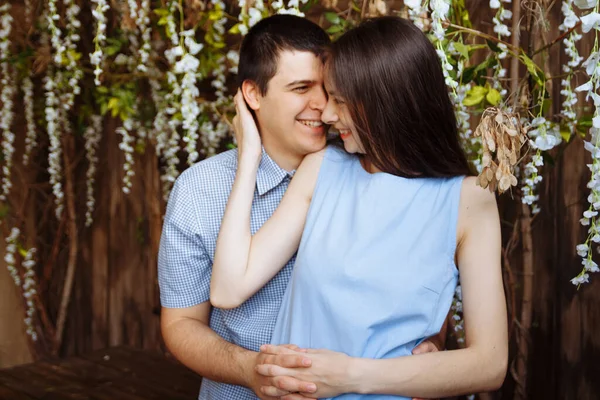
(391, 79)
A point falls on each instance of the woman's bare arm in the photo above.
(244, 263)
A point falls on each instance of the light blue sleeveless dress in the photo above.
(375, 271)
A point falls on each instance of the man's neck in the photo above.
(285, 160)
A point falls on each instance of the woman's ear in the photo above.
(251, 94)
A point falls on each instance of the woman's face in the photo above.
(337, 115)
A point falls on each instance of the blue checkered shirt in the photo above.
(187, 247)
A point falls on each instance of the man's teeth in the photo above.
(312, 124)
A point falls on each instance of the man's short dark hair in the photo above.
(262, 45)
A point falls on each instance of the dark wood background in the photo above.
(115, 299)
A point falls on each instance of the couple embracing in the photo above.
(300, 266)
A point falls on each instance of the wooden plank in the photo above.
(6, 393)
(33, 382)
(158, 370)
(104, 382)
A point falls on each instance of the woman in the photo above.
(380, 230)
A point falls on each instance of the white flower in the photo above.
(193, 47)
(578, 280)
(590, 21)
(440, 7)
(30, 137)
(494, 4)
(585, 4)
(414, 4)
(188, 63)
(582, 250)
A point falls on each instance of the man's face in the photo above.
(290, 112)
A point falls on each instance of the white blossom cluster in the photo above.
(92, 136)
(29, 291)
(457, 309)
(589, 22)
(501, 30)
(570, 98)
(501, 15)
(141, 17)
(53, 125)
(417, 11)
(247, 19)
(170, 155)
(31, 134)
(72, 66)
(55, 33)
(164, 132)
(7, 79)
(439, 13)
(126, 145)
(183, 78)
(9, 256)
(293, 7)
(97, 56)
(543, 136)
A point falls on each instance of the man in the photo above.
(281, 63)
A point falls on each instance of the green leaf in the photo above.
(493, 97)
(493, 46)
(565, 133)
(163, 21)
(332, 18)
(536, 73)
(235, 29)
(161, 12)
(335, 29)
(462, 49)
(476, 72)
(475, 96)
(113, 103)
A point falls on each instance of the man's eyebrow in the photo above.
(301, 82)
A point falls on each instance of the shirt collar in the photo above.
(269, 174)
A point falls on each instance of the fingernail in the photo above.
(263, 347)
(306, 362)
(311, 388)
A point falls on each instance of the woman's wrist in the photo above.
(356, 382)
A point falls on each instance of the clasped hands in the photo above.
(287, 372)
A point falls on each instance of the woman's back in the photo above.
(375, 270)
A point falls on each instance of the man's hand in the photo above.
(427, 346)
(329, 370)
(273, 387)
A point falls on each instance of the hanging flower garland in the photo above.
(96, 58)
(589, 22)
(8, 79)
(31, 133)
(92, 136)
(53, 129)
(126, 146)
(570, 98)
(29, 291)
(9, 256)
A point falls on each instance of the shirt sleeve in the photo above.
(184, 266)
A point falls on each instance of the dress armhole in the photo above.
(454, 194)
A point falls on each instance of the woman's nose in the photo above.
(329, 115)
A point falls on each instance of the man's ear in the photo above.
(251, 94)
